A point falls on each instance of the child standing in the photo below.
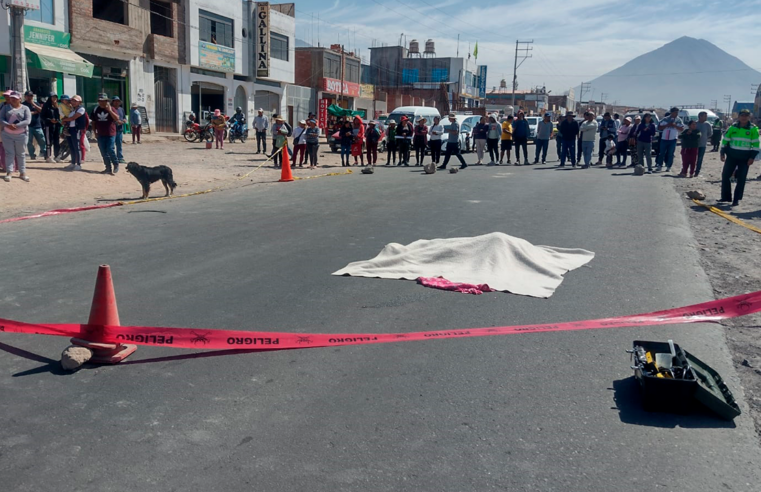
(690, 143)
(135, 123)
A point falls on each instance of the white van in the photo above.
(688, 115)
(414, 113)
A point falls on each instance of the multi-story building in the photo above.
(51, 65)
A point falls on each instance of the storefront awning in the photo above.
(57, 60)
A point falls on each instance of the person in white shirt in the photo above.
(261, 124)
(434, 141)
(300, 143)
(671, 127)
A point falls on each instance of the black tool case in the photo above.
(684, 395)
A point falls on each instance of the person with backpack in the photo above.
(372, 137)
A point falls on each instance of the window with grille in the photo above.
(109, 10)
(215, 29)
(161, 18)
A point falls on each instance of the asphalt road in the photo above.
(544, 412)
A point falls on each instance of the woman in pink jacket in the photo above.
(358, 132)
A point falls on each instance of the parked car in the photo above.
(533, 122)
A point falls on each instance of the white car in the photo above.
(533, 122)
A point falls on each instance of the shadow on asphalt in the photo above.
(62, 170)
(629, 405)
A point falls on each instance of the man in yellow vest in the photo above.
(738, 151)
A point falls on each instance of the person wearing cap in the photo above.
(299, 143)
(543, 134)
(35, 127)
(77, 122)
(588, 131)
(51, 126)
(521, 131)
(261, 124)
(404, 134)
(569, 129)
(372, 137)
(14, 120)
(104, 120)
(507, 139)
(116, 102)
(135, 123)
(312, 137)
(622, 141)
(437, 133)
(453, 143)
(670, 128)
(219, 124)
(391, 143)
(739, 148)
(420, 140)
(281, 130)
(607, 128)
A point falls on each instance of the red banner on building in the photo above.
(334, 87)
(322, 113)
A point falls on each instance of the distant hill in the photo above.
(667, 76)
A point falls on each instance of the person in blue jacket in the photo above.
(521, 133)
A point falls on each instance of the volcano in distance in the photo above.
(666, 77)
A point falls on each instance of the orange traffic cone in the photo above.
(286, 174)
(103, 312)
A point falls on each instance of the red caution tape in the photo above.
(61, 211)
(197, 338)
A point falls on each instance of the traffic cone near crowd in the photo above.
(103, 312)
(286, 174)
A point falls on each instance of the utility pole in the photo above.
(585, 86)
(523, 48)
(603, 95)
(754, 89)
(343, 64)
(714, 104)
(728, 100)
(18, 52)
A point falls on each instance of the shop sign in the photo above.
(482, 81)
(334, 86)
(322, 113)
(367, 91)
(46, 37)
(27, 4)
(216, 57)
(262, 39)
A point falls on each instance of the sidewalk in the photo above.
(195, 169)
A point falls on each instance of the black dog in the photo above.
(148, 175)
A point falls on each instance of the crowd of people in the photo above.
(59, 126)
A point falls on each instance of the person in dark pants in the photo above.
(607, 128)
(372, 137)
(403, 140)
(420, 141)
(521, 132)
(570, 131)
(437, 133)
(453, 148)
(739, 148)
(261, 124)
(391, 143)
(559, 138)
(51, 125)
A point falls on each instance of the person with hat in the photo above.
(622, 142)
(739, 148)
(51, 126)
(569, 129)
(391, 143)
(104, 120)
(312, 137)
(116, 102)
(607, 128)
(372, 137)
(14, 120)
(437, 133)
(35, 127)
(261, 124)
(671, 127)
(300, 143)
(281, 130)
(404, 136)
(588, 132)
(135, 122)
(453, 143)
(219, 124)
(420, 140)
(77, 123)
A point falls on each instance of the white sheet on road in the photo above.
(505, 263)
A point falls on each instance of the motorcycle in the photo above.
(206, 133)
(192, 129)
(238, 130)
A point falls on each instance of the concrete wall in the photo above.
(232, 9)
(281, 70)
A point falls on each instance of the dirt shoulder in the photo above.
(195, 169)
(730, 256)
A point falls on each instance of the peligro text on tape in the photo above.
(198, 338)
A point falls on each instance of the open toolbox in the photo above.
(673, 380)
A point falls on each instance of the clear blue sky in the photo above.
(574, 40)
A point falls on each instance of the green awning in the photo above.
(336, 110)
(57, 60)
